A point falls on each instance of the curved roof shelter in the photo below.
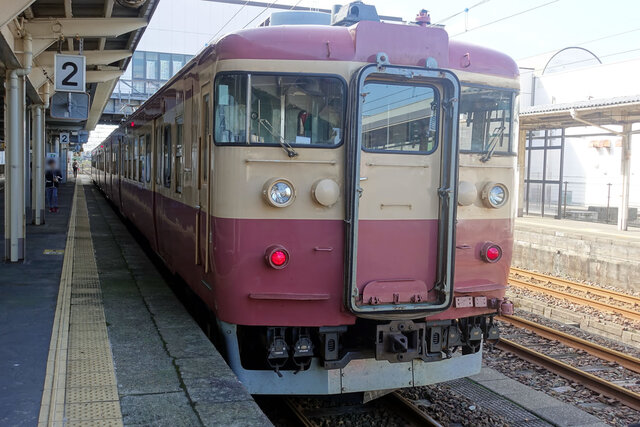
(108, 31)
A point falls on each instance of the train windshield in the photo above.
(291, 110)
(485, 120)
(399, 118)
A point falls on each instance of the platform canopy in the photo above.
(109, 31)
(605, 111)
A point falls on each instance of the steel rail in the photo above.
(299, 413)
(629, 314)
(394, 400)
(630, 299)
(409, 410)
(622, 359)
(592, 382)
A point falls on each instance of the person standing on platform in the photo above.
(52, 179)
(75, 168)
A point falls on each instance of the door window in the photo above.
(399, 118)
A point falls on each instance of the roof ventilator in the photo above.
(355, 12)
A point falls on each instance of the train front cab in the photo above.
(400, 250)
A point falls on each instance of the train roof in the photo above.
(408, 45)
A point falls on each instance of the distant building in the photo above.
(147, 72)
(588, 179)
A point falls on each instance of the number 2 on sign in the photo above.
(74, 71)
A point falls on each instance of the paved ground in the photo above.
(28, 293)
(542, 405)
(168, 372)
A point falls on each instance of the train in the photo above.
(339, 194)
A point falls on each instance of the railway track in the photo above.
(630, 314)
(394, 402)
(589, 289)
(622, 359)
(571, 373)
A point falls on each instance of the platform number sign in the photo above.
(64, 137)
(70, 73)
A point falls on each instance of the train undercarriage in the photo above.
(370, 355)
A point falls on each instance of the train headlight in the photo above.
(495, 195)
(279, 192)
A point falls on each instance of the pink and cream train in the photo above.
(339, 196)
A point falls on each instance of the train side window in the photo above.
(143, 157)
(296, 110)
(206, 112)
(136, 158)
(126, 158)
(158, 160)
(147, 160)
(399, 118)
(166, 156)
(179, 153)
(485, 119)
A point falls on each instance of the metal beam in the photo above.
(108, 10)
(100, 98)
(12, 8)
(94, 57)
(82, 27)
(101, 76)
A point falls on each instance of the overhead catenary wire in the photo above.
(465, 10)
(230, 19)
(506, 17)
(608, 36)
(258, 15)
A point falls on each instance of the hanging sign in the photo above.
(70, 73)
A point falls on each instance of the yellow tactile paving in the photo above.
(80, 385)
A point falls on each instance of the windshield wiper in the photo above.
(283, 143)
(493, 143)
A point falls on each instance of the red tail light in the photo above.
(491, 252)
(277, 257)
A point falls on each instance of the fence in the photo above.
(579, 200)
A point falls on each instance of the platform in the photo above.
(123, 349)
(592, 252)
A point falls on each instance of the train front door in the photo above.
(403, 183)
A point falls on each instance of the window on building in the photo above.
(138, 65)
(151, 65)
(165, 66)
(166, 156)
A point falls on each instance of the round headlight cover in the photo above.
(279, 192)
(495, 195)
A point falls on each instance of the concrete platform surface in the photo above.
(168, 372)
(538, 403)
(128, 353)
(28, 293)
(584, 228)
